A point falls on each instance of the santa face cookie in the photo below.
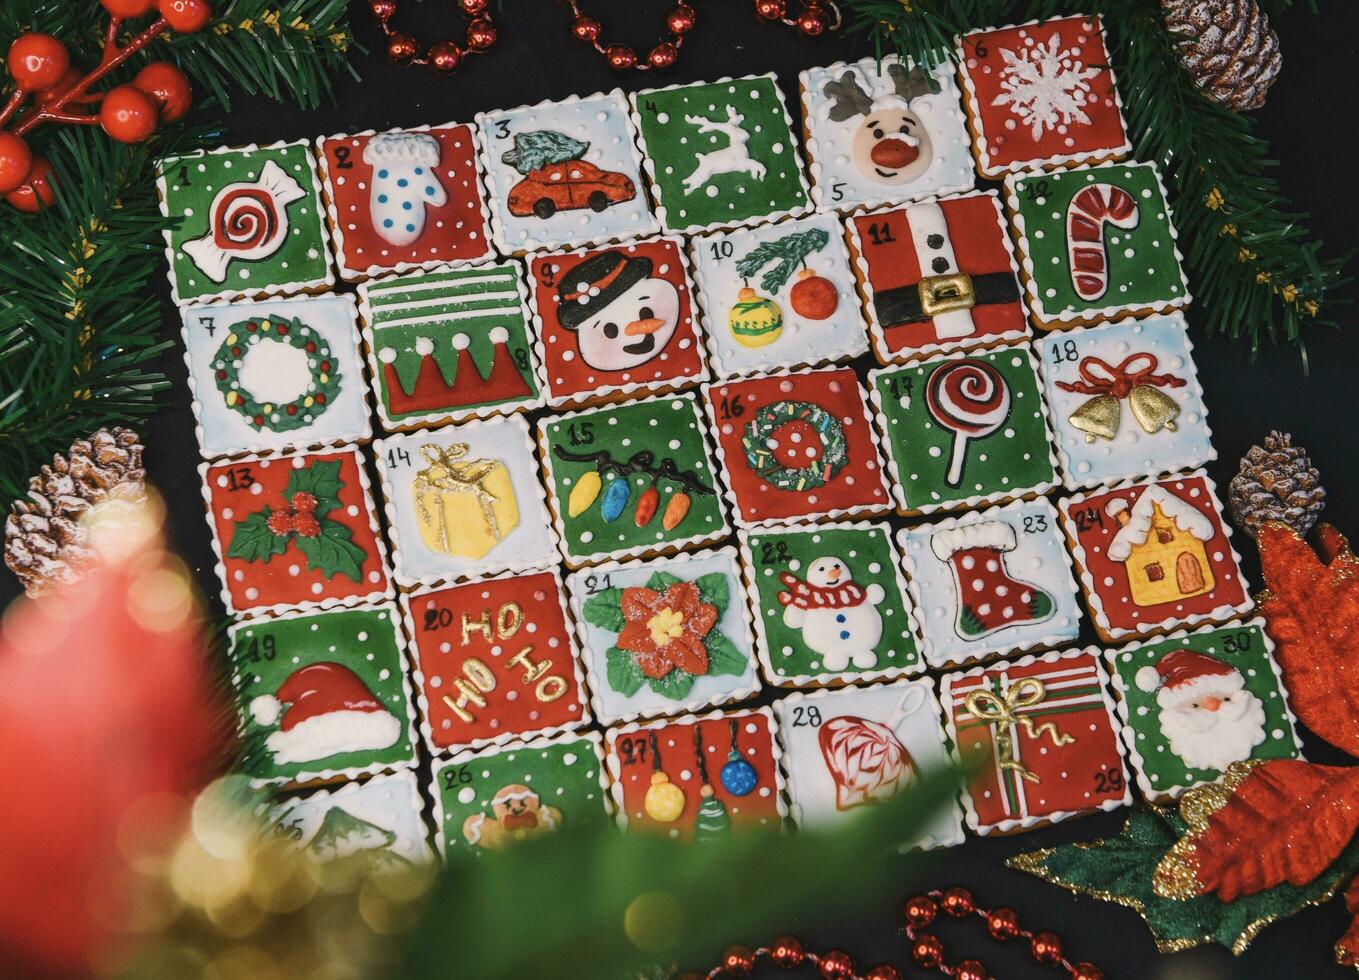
(495, 660)
(855, 747)
(465, 501)
(563, 174)
(1097, 244)
(249, 223)
(491, 799)
(1042, 731)
(695, 778)
(1125, 401)
(322, 695)
(617, 320)
(1042, 95)
(1153, 556)
(878, 131)
(295, 532)
(830, 604)
(965, 431)
(631, 479)
(1194, 703)
(719, 154)
(778, 296)
(991, 582)
(666, 636)
(376, 825)
(937, 276)
(450, 345)
(276, 375)
(797, 445)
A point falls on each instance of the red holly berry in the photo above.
(128, 114)
(280, 522)
(53, 92)
(129, 8)
(16, 159)
(620, 57)
(186, 16)
(320, 399)
(168, 87)
(37, 61)
(306, 526)
(304, 502)
(38, 190)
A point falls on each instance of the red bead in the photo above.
(474, 8)
(585, 28)
(383, 10)
(770, 9)
(883, 971)
(128, 114)
(970, 970)
(738, 961)
(129, 8)
(400, 48)
(37, 61)
(920, 911)
(662, 55)
(168, 87)
(39, 189)
(16, 159)
(836, 964)
(186, 16)
(1086, 971)
(445, 57)
(1046, 947)
(681, 19)
(958, 903)
(480, 34)
(787, 953)
(927, 951)
(1003, 924)
(813, 22)
(620, 57)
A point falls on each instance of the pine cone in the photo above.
(44, 542)
(1227, 47)
(1277, 482)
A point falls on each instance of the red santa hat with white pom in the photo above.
(1184, 676)
(328, 710)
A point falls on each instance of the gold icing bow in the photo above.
(1006, 712)
(447, 471)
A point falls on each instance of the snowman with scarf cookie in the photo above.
(621, 314)
(838, 618)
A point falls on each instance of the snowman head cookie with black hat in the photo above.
(621, 315)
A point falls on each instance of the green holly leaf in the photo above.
(660, 581)
(723, 657)
(333, 552)
(713, 589)
(674, 685)
(253, 541)
(605, 610)
(322, 481)
(624, 675)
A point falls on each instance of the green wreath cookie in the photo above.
(819, 469)
(278, 374)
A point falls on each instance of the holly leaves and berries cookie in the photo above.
(631, 479)
(1097, 243)
(450, 345)
(937, 276)
(965, 430)
(1194, 703)
(697, 778)
(490, 799)
(1153, 556)
(616, 320)
(878, 131)
(248, 222)
(495, 660)
(719, 154)
(375, 825)
(404, 199)
(277, 374)
(990, 582)
(797, 445)
(1042, 94)
(464, 501)
(830, 604)
(295, 532)
(1041, 731)
(664, 636)
(777, 296)
(322, 695)
(563, 174)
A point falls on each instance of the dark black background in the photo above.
(1309, 122)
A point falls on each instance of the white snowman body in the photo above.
(841, 634)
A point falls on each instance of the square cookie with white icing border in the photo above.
(830, 604)
(295, 532)
(377, 824)
(698, 777)
(490, 799)
(860, 746)
(777, 296)
(991, 582)
(1097, 243)
(1155, 556)
(879, 131)
(494, 660)
(797, 445)
(965, 430)
(564, 174)
(1043, 731)
(450, 345)
(1194, 703)
(1042, 95)
(276, 374)
(465, 501)
(720, 154)
(249, 223)
(1125, 401)
(664, 636)
(631, 479)
(937, 276)
(322, 696)
(404, 199)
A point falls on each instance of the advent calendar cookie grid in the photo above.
(413, 186)
(465, 501)
(264, 234)
(319, 339)
(379, 821)
(838, 615)
(873, 138)
(1039, 89)
(1159, 683)
(645, 635)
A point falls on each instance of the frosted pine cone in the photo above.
(1277, 482)
(1228, 48)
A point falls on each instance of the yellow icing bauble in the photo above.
(755, 320)
(464, 508)
(664, 800)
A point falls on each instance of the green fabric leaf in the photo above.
(713, 589)
(604, 609)
(674, 685)
(723, 657)
(537, 149)
(624, 675)
(253, 541)
(321, 480)
(333, 552)
(660, 581)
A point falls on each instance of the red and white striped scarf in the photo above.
(806, 596)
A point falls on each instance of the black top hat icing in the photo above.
(595, 283)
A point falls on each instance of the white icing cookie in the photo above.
(378, 822)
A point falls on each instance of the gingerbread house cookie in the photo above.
(377, 824)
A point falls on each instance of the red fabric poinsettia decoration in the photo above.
(665, 631)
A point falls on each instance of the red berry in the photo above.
(306, 526)
(53, 92)
(662, 55)
(186, 16)
(38, 190)
(480, 34)
(16, 159)
(128, 114)
(168, 87)
(585, 28)
(445, 57)
(320, 398)
(38, 61)
(280, 522)
(620, 57)
(129, 8)
(304, 502)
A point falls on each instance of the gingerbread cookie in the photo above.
(377, 825)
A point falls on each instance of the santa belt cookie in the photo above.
(936, 295)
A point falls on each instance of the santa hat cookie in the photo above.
(328, 710)
(1186, 675)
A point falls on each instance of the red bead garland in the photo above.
(442, 57)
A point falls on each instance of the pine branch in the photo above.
(790, 251)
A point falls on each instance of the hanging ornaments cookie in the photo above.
(249, 223)
(1042, 95)
(375, 826)
(878, 131)
(404, 199)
